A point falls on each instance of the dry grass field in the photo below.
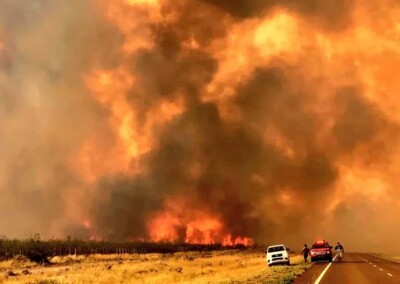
(189, 267)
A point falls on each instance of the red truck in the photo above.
(321, 250)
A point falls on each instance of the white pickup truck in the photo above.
(277, 254)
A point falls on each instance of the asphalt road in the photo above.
(355, 268)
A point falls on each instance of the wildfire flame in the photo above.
(200, 121)
(178, 222)
(247, 46)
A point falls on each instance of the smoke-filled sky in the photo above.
(201, 120)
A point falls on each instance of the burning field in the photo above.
(203, 121)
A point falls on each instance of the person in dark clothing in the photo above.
(339, 248)
(305, 252)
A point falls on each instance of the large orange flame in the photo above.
(179, 222)
(365, 53)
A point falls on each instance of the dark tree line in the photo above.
(40, 251)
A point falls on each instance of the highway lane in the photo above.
(355, 268)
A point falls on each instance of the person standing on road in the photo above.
(340, 250)
(305, 252)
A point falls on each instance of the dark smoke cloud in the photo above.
(46, 113)
(357, 121)
(232, 154)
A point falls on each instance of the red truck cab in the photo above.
(321, 250)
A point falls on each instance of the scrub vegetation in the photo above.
(38, 250)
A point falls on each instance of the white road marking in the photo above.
(363, 258)
(323, 272)
(393, 260)
(385, 258)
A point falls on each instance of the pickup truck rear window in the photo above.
(275, 249)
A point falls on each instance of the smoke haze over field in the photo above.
(200, 120)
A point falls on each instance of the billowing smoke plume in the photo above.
(200, 120)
